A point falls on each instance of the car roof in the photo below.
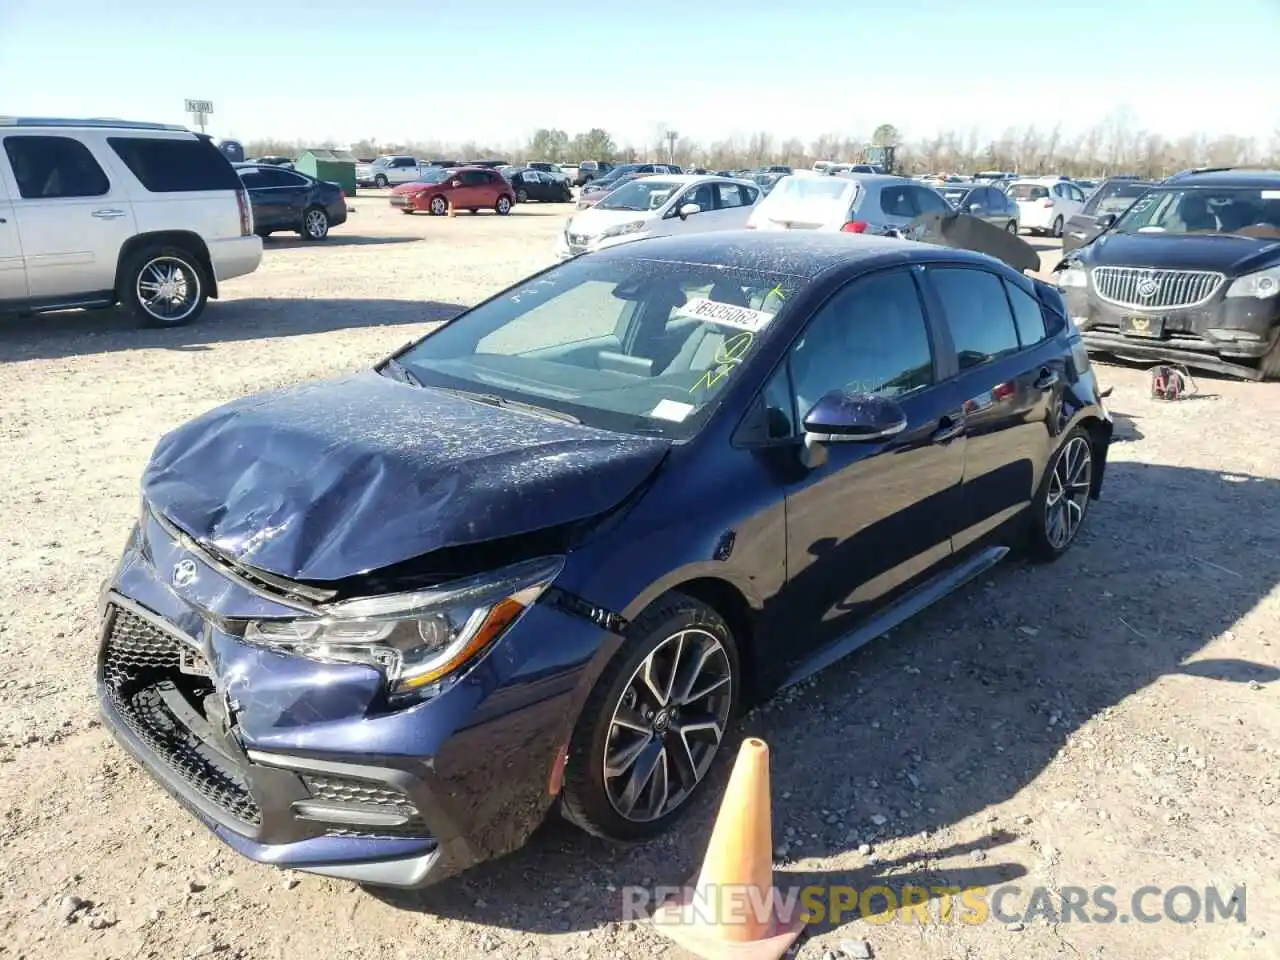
(799, 253)
(1230, 178)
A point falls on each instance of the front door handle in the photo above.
(1047, 379)
(948, 429)
(108, 214)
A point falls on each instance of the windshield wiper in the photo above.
(402, 373)
(493, 400)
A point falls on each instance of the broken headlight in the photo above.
(423, 640)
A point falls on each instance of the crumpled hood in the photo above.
(340, 477)
(1182, 252)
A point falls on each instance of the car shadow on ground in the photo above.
(74, 333)
(283, 241)
(954, 712)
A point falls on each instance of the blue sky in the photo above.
(494, 71)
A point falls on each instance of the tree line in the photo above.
(1113, 146)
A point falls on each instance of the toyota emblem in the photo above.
(1148, 287)
(184, 573)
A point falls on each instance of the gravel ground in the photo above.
(1112, 719)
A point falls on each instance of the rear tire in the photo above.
(503, 206)
(522, 195)
(164, 286)
(1061, 504)
(675, 630)
(1057, 228)
(1012, 227)
(315, 224)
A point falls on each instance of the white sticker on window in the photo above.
(724, 314)
(1271, 194)
(672, 410)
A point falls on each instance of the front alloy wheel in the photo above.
(667, 726)
(439, 206)
(652, 728)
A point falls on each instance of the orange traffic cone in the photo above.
(732, 912)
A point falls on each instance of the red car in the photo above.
(463, 188)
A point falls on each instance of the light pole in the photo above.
(671, 137)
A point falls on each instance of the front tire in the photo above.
(439, 206)
(503, 206)
(1012, 227)
(1060, 505)
(315, 224)
(653, 726)
(164, 286)
(380, 182)
(1056, 232)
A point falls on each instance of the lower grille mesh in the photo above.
(140, 662)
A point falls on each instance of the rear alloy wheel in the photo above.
(1056, 232)
(315, 224)
(164, 286)
(653, 726)
(503, 206)
(439, 206)
(522, 195)
(1063, 499)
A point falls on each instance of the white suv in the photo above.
(1045, 204)
(389, 171)
(99, 212)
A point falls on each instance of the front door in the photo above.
(876, 516)
(1010, 385)
(72, 218)
(13, 277)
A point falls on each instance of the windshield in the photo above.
(954, 194)
(626, 344)
(1251, 212)
(644, 194)
(433, 175)
(1115, 197)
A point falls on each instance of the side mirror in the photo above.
(1107, 220)
(847, 416)
(455, 183)
(688, 210)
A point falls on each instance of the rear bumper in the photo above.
(235, 257)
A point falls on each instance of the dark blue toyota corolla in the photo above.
(378, 627)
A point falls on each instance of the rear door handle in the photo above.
(948, 429)
(1047, 379)
(108, 214)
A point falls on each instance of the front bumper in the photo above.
(1235, 329)
(301, 765)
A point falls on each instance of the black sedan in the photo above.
(529, 184)
(286, 200)
(523, 566)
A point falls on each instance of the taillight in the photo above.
(246, 213)
(1046, 202)
(855, 226)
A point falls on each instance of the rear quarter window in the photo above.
(168, 165)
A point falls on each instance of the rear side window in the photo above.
(50, 167)
(896, 202)
(176, 166)
(1027, 315)
(978, 314)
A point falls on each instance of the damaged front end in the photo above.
(392, 725)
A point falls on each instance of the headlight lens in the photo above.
(623, 229)
(421, 641)
(1073, 276)
(1262, 285)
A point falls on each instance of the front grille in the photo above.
(1145, 289)
(142, 669)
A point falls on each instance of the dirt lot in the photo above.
(1112, 719)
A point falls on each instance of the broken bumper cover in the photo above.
(302, 765)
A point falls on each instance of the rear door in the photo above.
(292, 193)
(13, 276)
(72, 217)
(1009, 384)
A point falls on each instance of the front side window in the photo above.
(871, 337)
(730, 195)
(622, 343)
(47, 168)
(977, 312)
